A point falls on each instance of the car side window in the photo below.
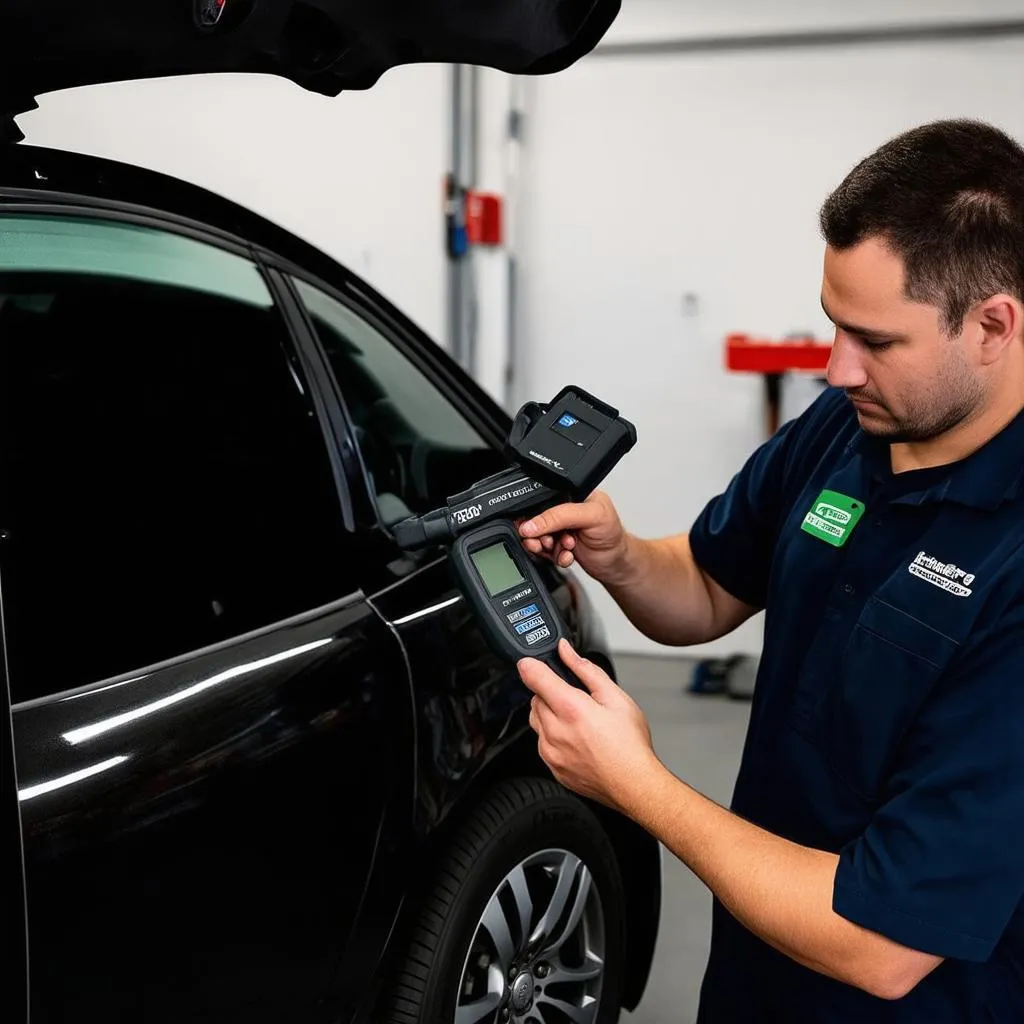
(417, 447)
(164, 481)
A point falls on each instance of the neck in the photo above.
(966, 437)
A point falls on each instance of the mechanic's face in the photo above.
(907, 379)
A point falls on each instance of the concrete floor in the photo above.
(700, 739)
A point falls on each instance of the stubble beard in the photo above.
(951, 400)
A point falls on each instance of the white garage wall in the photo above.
(642, 20)
(667, 201)
(359, 175)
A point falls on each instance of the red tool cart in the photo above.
(772, 359)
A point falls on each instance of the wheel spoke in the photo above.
(559, 974)
(521, 892)
(578, 905)
(481, 1009)
(567, 871)
(478, 1010)
(584, 1014)
(496, 923)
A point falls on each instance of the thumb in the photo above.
(568, 516)
(596, 680)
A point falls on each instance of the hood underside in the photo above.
(324, 46)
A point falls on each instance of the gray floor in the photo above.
(699, 738)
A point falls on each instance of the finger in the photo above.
(534, 715)
(565, 558)
(596, 680)
(542, 718)
(570, 516)
(533, 546)
(556, 693)
(547, 542)
(568, 541)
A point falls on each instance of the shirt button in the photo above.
(848, 588)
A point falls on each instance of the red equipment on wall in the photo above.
(772, 359)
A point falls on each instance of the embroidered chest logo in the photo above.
(945, 575)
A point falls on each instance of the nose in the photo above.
(845, 365)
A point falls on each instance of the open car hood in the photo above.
(322, 45)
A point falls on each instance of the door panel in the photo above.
(469, 703)
(198, 837)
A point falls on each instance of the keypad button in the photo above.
(522, 613)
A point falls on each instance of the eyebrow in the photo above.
(864, 332)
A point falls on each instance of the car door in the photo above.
(421, 439)
(212, 727)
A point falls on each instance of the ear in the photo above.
(1001, 319)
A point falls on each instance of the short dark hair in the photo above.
(948, 198)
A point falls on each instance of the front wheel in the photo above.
(524, 921)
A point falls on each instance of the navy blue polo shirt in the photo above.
(887, 722)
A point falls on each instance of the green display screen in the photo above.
(496, 568)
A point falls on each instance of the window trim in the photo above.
(485, 416)
(124, 213)
(360, 510)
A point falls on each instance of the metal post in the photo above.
(464, 116)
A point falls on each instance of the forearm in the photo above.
(663, 593)
(779, 890)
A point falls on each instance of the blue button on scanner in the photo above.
(523, 613)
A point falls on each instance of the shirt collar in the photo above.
(984, 479)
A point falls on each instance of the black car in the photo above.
(266, 767)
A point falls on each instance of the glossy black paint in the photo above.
(218, 855)
(258, 811)
(470, 707)
(324, 47)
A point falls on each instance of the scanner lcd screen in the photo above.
(496, 568)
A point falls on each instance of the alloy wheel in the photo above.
(538, 952)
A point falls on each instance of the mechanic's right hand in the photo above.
(588, 532)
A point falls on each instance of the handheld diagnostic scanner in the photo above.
(561, 451)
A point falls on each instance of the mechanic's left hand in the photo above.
(598, 745)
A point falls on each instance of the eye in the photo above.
(874, 344)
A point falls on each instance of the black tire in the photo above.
(513, 825)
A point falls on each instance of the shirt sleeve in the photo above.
(940, 868)
(733, 539)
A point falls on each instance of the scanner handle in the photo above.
(559, 667)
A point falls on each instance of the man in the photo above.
(871, 868)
